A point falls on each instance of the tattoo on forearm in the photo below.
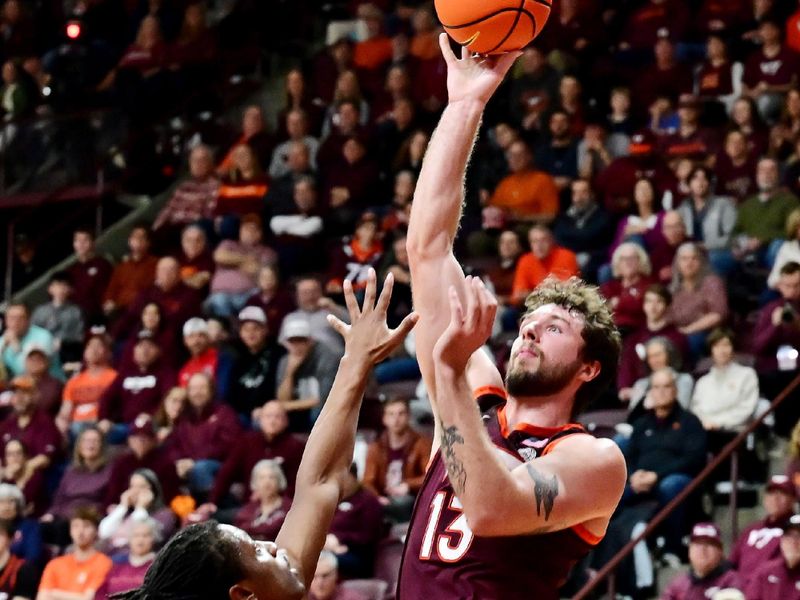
(545, 490)
(455, 468)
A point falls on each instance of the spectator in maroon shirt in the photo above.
(85, 483)
(722, 17)
(143, 453)
(145, 57)
(719, 80)
(178, 301)
(759, 542)
(735, 168)
(535, 90)
(745, 118)
(663, 247)
(137, 389)
(272, 441)
(708, 572)
(648, 23)
(18, 471)
(779, 579)
(655, 306)
(351, 186)
(31, 425)
(346, 126)
(196, 46)
(776, 341)
(666, 78)
(143, 538)
(195, 259)
(630, 267)
(615, 185)
(262, 517)
(89, 275)
(272, 298)
(48, 388)
(771, 71)
(203, 437)
(689, 139)
(299, 97)
(571, 30)
(356, 529)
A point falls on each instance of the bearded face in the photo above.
(544, 378)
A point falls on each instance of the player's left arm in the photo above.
(581, 479)
(329, 450)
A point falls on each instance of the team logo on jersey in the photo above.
(530, 449)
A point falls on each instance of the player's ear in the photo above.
(241, 591)
(589, 370)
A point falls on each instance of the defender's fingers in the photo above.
(340, 326)
(406, 325)
(350, 300)
(369, 294)
(386, 294)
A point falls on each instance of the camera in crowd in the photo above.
(788, 313)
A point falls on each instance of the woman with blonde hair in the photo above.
(699, 297)
(789, 250)
(631, 269)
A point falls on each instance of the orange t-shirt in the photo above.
(532, 194)
(67, 574)
(531, 271)
(84, 391)
(372, 54)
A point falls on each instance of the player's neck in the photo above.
(543, 411)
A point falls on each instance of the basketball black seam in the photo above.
(510, 29)
(494, 14)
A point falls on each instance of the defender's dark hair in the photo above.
(602, 341)
(199, 563)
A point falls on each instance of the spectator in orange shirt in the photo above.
(525, 193)
(425, 43)
(375, 51)
(134, 274)
(545, 258)
(77, 574)
(81, 398)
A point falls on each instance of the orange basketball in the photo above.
(493, 27)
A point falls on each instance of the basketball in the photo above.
(493, 27)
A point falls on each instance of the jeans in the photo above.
(118, 434)
(201, 477)
(225, 304)
(665, 490)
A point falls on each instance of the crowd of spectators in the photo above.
(651, 147)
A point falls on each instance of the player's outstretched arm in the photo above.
(329, 450)
(581, 480)
(436, 210)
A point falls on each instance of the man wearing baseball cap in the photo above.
(760, 542)
(708, 572)
(305, 373)
(253, 373)
(779, 579)
(31, 425)
(204, 358)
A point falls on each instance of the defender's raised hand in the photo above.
(469, 328)
(474, 77)
(368, 336)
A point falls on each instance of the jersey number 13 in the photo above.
(453, 543)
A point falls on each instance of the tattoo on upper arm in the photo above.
(545, 489)
(455, 468)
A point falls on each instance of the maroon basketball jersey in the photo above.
(444, 560)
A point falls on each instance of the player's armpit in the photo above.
(580, 480)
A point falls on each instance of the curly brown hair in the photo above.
(602, 340)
